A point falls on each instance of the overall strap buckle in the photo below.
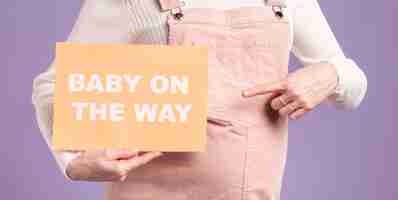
(174, 6)
(277, 7)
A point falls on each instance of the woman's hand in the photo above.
(301, 91)
(107, 165)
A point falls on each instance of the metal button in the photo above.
(278, 11)
(177, 13)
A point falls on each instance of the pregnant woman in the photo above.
(251, 93)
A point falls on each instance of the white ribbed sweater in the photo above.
(123, 21)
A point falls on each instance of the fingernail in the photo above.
(124, 151)
(245, 93)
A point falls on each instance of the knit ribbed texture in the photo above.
(148, 25)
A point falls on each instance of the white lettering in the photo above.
(76, 82)
(162, 113)
(79, 109)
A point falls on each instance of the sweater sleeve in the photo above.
(43, 90)
(315, 42)
(98, 22)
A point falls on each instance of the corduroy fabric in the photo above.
(246, 141)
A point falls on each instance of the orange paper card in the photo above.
(146, 97)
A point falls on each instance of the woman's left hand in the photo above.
(301, 91)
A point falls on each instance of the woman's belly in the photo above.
(246, 147)
(240, 163)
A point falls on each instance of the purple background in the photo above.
(332, 154)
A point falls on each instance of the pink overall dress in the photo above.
(247, 140)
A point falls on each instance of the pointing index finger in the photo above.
(262, 89)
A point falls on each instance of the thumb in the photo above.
(277, 86)
(116, 154)
(140, 160)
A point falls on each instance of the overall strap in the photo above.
(281, 3)
(174, 6)
(166, 5)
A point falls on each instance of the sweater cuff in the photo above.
(64, 159)
(351, 86)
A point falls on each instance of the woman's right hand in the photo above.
(107, 165)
